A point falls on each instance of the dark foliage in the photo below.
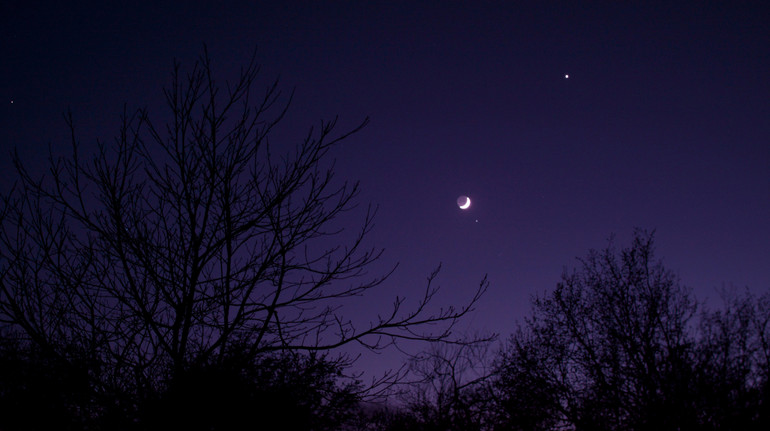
(301, 392)
(38, 392)
(290, 392)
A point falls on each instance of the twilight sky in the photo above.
(663, 123)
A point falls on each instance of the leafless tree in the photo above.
(448, 390)
(609, 348)
(180, 242)
(733, 362)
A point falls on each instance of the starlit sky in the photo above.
(563, 122)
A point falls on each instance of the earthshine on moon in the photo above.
(463, 202)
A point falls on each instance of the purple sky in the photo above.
(664, 122)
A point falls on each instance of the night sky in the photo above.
(663, 123)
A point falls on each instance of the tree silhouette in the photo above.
(733, 364)
(38, 392)
(617, 346)
(605, 344)
(449, 390)
(286, 391)
(527, 397)
(185, 243)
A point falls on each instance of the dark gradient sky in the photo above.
(663, 124)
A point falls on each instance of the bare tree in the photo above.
(733, 368)
(609, 348)
(529, 392)
(181, 242)
(448, 387)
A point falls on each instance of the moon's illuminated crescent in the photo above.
(465, 205)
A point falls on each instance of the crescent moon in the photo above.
(466, 204)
